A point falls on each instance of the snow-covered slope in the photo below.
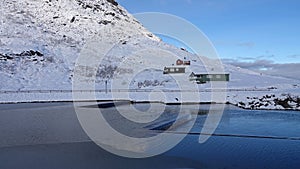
(57, 29)
(41, 40)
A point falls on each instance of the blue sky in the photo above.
(243, 31)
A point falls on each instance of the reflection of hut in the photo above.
(174, 70)
(181, 62)
(201, 78)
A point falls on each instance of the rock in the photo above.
(39, 53)
(73, 19)
(242, 104)
(110, 13)
(104, 22)
(6, 57)
(283, 103)
(113, 2)
(150, 35)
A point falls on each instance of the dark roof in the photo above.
(212, 73)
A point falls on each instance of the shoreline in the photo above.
(144, 102)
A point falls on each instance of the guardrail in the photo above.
(133, 90)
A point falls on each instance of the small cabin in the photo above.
(202, 78)
(188, 63)
(174, 70)
(180, 62)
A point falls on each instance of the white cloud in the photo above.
(289, 70)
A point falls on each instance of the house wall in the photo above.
(217, 77)
(203, 78)
(174, 70)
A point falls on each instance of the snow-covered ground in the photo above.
(41, 40)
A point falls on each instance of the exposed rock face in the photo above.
(284, 101)
(113, 2)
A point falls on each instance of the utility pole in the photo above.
(106, 87)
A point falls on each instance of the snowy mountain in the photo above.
(41, 40)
